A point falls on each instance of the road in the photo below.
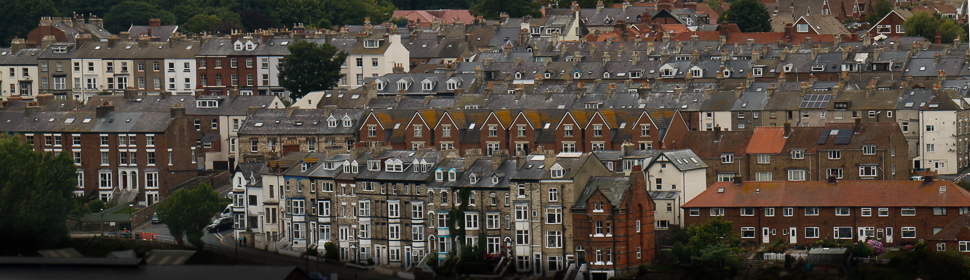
(226, 243)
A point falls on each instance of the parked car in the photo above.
(226, 212)
(155, 218)
(219, 224)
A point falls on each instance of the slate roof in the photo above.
(613, 188)
(841, 194)
(301, 121)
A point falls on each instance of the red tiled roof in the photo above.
(767, 140)
(841, 194)
(674, 29)
(701, 36)
(704, 144)
(426, 16)
(951, 231)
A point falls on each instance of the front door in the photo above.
(377, 255)
(889, 235)
(862, 234)
(792, 235)
(765, 238)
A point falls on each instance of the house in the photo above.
(672, 178)
(57, 59)
(247, 197)
(19, 73)
(891, 25)
(153, 29)
(424, 18)
(66, 30)
(612, 218)
(272, 133)
(895, 212)
(941, 146)
(955, 236)
(380, 53)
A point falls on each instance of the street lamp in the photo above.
(131, 227)
(102, 221)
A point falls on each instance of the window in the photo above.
(104, 158)
(796, 175)
(764, 158)
(747, 232)
(568, 130)
(939, 211)
(727, 158)
(811, 211)
(908, 211)
(883, 212)
(553, 194)
(842, 211)
(869, 149)
(788, 211)
(747, 211)
(930, 148)
(964, 246)
(835, 154)
(471, 221)
(908, 232)
(717, 212)
(834, 172)
(866, 212)
(868, 171)
(394, 209)
(842, 233)
(553, 215)
(521, 212)
(364, 232)
(811, 232)
(802, 27)
(695, 212)
(797, 154)
(522, 237)
(762, 176)
(394, 232)
(554, 239)
(930, 128)
(364, 208)
(491, 221)
(417, 232)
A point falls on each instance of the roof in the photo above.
(953, 230)
(425, 17)
(613, 188)
(163, 32)
(767, 140)
(939, 193)
(683, 160)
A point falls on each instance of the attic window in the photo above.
(347, 121)
(207, 104)
(380, 85)
(577, 75)
(922, 68)
(87, 120)
(547, 75)
(371, 43)
(259, 124)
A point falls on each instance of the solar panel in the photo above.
(815, 101)
(823, 137)
(845, 135)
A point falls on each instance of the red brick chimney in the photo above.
(154, 22)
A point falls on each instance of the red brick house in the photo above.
(955, 236)
(891, 25)
(447, 131)
(598, 133)
(895, 212)
(613, 223)
(494, 132)
(522, 141)
(569, 134)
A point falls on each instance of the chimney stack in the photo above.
(103, 109)
(178, 110)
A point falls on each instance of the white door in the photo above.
(862, 234)
(765, 238)
(792, 235)
(889, 235)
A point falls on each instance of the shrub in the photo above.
(876, 246)
(331, 251)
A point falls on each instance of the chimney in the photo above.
(832, 180)
(789, 30)
(599, 6)
(936, 39)
(787, 129)
(81, 39)
(252, 110)
(398, 68)
(772, 89)
(44, 98)
(154, 22)
(17, 44)
(550, 158)
(499, 157)
(737, 180)
(47, 41)
(627, 147)
(717, 133)
(104, 109)
(804, 89)
(130, 93)
(30, 109)
(234, 92)
(928, 180)
(937, 56)
(124, 35)
(143, 41)
(178, 110)
(857, 128)
(96, 21)
(755, 55)
(113, 40)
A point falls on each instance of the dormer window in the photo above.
(427, 85)
(472, 178)
(207, 103)
(454, 83)
(416, 165)
(667, 72)
(636, 74)
(452, 175)
(394, 165)
(518, 75)
(696, 73)
(347, 121)
(496, 179)
(380, 85)
(557, 171)
(546, 75)
(374, 165)
(331, 121)
(330, 165)
(606, 75)
(727, 73)
(250, 46)
(238, 46)
(371, 43)
(577, 75)
(403, 85)
(354, 167)
(304, 166)
(438, 175)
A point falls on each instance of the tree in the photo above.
(121, 17)
(354, 11)
(515, 8)
(749, 15)
(36, 197)
(19, 17)
(708, 247)
(200, 23)
(187, 212)
(926, 25)
(255, 20)
(310, 67)
(879, 10)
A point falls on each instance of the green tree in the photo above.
(749, 15)
(515, 8)
(36, 197)
(708, 247)
(255, 19)
(187, 212)
(879, 10)
(926, 25)
(121, 17)
(310, 67)
(200, 23)
(19, 17)
(354, 11)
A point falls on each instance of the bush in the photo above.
(331, 251)
(876, 246)
(862, 250)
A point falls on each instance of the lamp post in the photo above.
(131, 226)
(102, 221)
